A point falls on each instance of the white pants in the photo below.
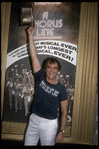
(42, 128)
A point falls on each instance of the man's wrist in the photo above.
(30, 35)
(63, 131)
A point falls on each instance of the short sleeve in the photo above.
(39, 74)
(63, 94)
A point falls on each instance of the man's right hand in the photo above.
(31, 30)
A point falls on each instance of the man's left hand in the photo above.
(59, 137)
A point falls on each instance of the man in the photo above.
(10, 85)
(70, 92)
(49, 94)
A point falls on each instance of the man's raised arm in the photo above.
(33, 51)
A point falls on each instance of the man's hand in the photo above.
(59, 137)
(31, 30)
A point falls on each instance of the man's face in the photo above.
(51, 71)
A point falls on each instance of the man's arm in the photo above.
(33, 51)
(64, 108)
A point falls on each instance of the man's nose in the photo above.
(52, 69)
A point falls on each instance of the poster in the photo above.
(56, 35)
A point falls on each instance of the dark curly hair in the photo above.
(51, 61)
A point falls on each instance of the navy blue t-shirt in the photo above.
(47, 96)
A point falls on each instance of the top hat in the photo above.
(26, 16)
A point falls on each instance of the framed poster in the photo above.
(56, 35)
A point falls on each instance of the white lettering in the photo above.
(47, 3)
(48, 89)
(49, 23)
(45, 15)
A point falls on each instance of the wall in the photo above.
(86, 74)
